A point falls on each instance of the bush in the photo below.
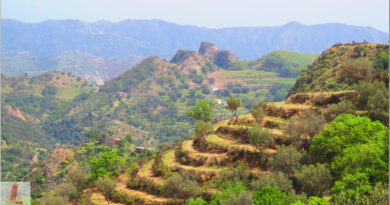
(346, 131)
(244, 198)
(373, 97)
(233, 104)
(202, 128)
(66, 190)
(270, 195)
(258, 113)
(274, 180)
(334, 110)
(304, 127)
(50, 90)
(228, 190)
(177, 186)
(107, 186)
(237, 173)
(260, 137)
(50, 199)
(79, 178)
(314, 179)
(196, 201)
(109, 163)
(357, 69)
(286, 159)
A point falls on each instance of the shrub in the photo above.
(66, 190)
(203, 110)
(314, 179)
(237, 173)
(109, 163)
(233, 104)
(286, 159)
(177, 186)
(50, 199)
(244, 198)
(346, 131)
(258, 113)
(274, 180)
(228, 189)
(196, 201)
(357, 69)
(79, 178)
(334, 110)
(270, 195)
(202, 128)
(304, 127)
(260, 137)
(107, 186)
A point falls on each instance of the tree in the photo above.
(107, 186)
(233, 104)
(373, 97)
(314, 179)
(357, 69)
(79, 178)
(108, 163)
(177, 186)
(66, 190)
(129, 138)
(244, 198)
(286, 159)
(346, 131)
(51, 198)
(258, 113)
(334, 110)
(50, 90)
(270, 195)
(203, 110)
(261, 138)
(304, 127)
(202, 128)
(278, 179)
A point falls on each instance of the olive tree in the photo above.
(260, 137)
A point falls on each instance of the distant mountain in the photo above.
(90, 67)
(158, 38)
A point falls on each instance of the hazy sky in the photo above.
(208, 13)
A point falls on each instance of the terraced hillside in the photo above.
(207, 157)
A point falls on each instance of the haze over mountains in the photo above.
(159, 38)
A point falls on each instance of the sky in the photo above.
(206, 13)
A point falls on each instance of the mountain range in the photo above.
(159, 38)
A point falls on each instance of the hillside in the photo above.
(148, 101)
(92, 68)
(136, 37)
(286, 63)
(225, 162)
(337, 68)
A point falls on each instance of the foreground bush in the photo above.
(274, 180)
(107, 186)
(177, 186)
(314, 179)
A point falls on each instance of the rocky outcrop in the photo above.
(208, 50)
(181, 56)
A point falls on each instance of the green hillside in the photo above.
(342, 66)
(286, 63)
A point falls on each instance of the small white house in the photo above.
(214, 89)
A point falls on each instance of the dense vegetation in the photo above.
(313, 148)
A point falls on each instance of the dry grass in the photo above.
(98, 199)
